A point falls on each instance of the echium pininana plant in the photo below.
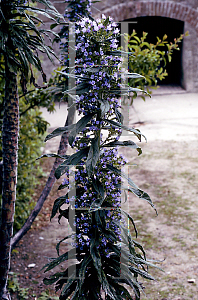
(107, 259)
(76, 10)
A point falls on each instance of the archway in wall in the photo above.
(158, 26)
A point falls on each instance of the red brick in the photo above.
(173, 11)
(152, 8)
(138, 8)
(157, 9)
(132, 10)
(149, 9)
(162, 9)
(164, 6)
(181, 11)
(189, 16)
(169, 10)
(144, 11)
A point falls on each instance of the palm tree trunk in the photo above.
(10, 132)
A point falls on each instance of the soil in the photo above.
(168, 172)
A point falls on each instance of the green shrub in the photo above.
(147, 58)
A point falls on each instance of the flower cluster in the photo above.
(77, 9)
(87, 199)
(93, 63)
(100, 70)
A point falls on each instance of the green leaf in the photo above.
(119, 116)
(135, 131)
(142, 195)
(84, 78)
(57, 204)
(118, 53)
(93, 156)
(56, 261)
(74, 159)
(110, 235)
(98, 186)
(93, 69)
(54, 155)
(70, 283)
(134, 75)
(106, 287)
(104, 107)
(84, 265)
(130, 144)
(59, 131)
(58, 244)
(52, 26)
(115, 170)
(120, 290)
(81, 88)
(70, 287)
(130, 218)
(53, 278)
(79, 126)
(96, 258)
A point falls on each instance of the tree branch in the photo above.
(63, 146)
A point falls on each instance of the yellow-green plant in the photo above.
(147, 58)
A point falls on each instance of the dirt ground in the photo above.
(168, 171)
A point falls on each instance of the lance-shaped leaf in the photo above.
(119, 116)
(130, 218)
(133, 75)
(74, 159)
(142, 195)
(96, 205)
(54, 155)
(79, 126)
(84, 78)
(52, 279)
(100, 218)
(107, 287)
(122, 174)
(93, 156)
(137, 192)
(56, 261)
(95, 254)
(58, 244)
(84, 265)
(98, 186)
(79, 89)
(59, 131)
(65, 213)
(141, 273)
(104, 107)
(93, 69)
(135, 131)
(57, 204)
(130, 144)
(118, 53)
(124, 90)
(120, 290)
(70, 287)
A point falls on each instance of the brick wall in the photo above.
(186, 11)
